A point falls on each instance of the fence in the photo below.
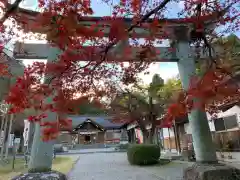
(228, 141)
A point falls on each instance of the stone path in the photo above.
(114, 166)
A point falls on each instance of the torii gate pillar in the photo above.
(42, 152)
(207, 166)
(202, 140)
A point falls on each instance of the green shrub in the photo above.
(39, 170)
(143, 154)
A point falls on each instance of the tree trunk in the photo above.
(8, 135)
(161, 139)
(2, 123)
(152, 132)
(4, 136)
(21, 144)
(169, 142)
(1, 133)
(147, 138)
(156, 137)
(178, 139)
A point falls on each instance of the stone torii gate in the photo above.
(184, 56)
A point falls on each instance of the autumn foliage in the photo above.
(92, 71)
(206, 93)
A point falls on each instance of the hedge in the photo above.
(143, 154)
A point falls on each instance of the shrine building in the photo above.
(93, 130)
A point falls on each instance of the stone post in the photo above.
(42, 152)
(202, 139)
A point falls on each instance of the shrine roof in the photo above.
(103, 121)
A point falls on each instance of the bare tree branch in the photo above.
(10, 10)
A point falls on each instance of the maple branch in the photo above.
(203, 36)
(143, 19)
(150, 13)
(11, 10)
(49, 81)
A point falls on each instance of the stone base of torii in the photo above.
(207, 167)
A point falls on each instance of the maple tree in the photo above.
(101, 67)
(140, 105)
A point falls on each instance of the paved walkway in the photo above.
(114, 166)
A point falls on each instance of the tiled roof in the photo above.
(103, 121)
